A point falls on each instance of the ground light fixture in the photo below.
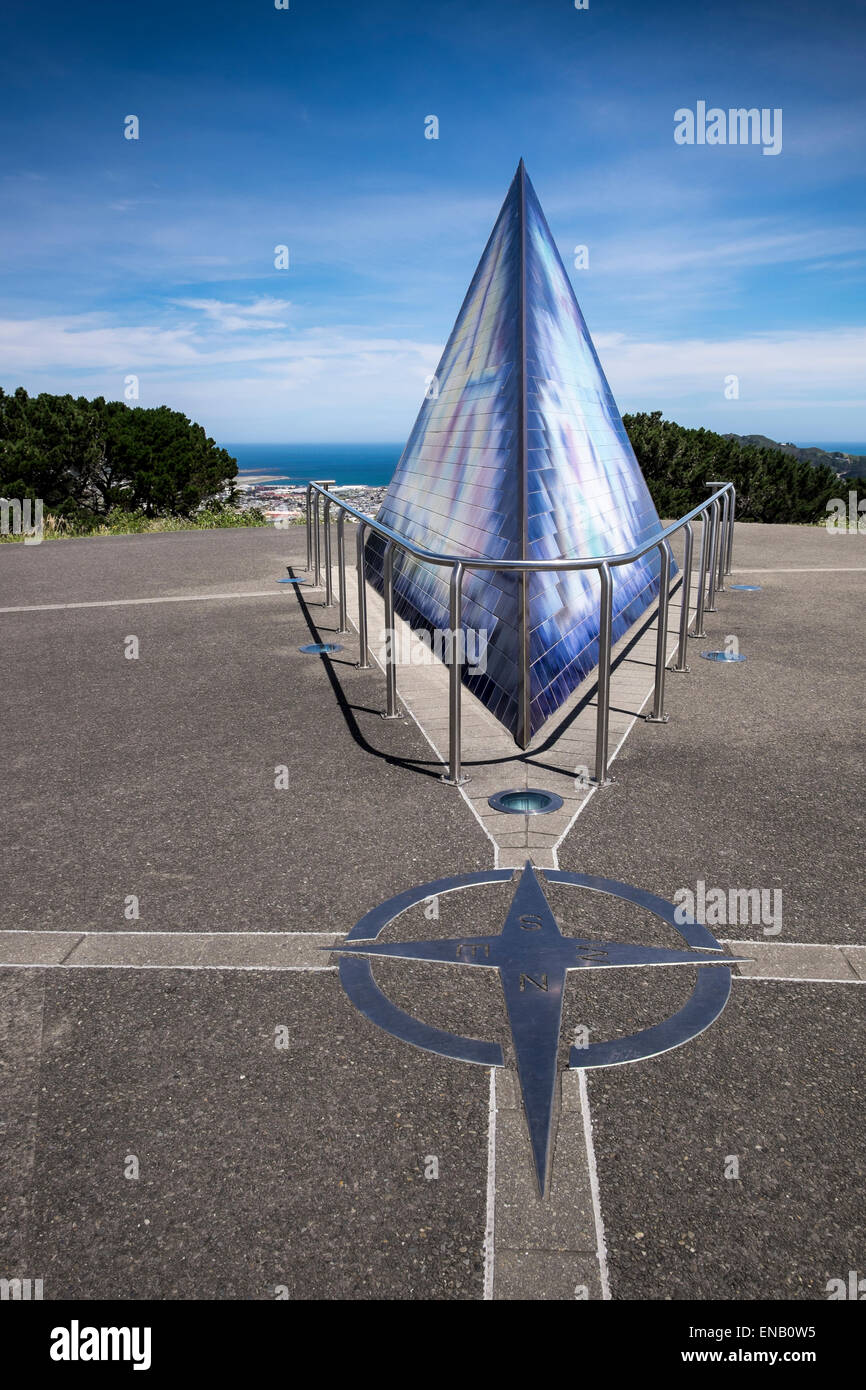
(528, 802)
(722, 656)
(320, 648)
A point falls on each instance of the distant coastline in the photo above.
(372, 465)
(845, 459)
(349, 465)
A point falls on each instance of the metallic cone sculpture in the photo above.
(519, 452)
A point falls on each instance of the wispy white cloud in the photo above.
(225, 339)
(262, 313)
(87, 343)
(239, 372)
(787, 368)
(235, 366)
(741, 245)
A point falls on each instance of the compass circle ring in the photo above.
(708, 998)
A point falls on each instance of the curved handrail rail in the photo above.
(433, 557)
(717, 532)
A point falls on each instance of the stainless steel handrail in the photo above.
(716, 553)
(432, 557)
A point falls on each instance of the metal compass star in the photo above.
(533, 958)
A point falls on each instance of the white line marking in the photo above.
(590, 793)
(600, 1242)
(801, 979)
(611, 758)
(413, 716)
(491, 1189)
(179, 935)
(74, 947)
(462, 790)
(161, 965)
(131, 602)
(29, 1073)
(676, 592)
(789, 945)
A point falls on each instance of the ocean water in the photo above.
(836, 448)
(369, 464)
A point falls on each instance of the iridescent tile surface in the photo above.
(456, 487)
(586, 493)
(463, 486)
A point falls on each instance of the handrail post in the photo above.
(392, 710)
(713, 556)
(329, 587)
(723, 543)
(341, 569)
(702, 574)
(364, 656)
(730, 554)
(316, 545)
(717, 517)
(685, 598)
(455, 776)
(602, 717)
(658, 715)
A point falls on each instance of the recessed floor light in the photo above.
(529, 802)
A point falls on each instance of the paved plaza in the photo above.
(195, 811)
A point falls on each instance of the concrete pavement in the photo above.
(221, 785)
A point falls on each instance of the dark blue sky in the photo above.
(305, 127)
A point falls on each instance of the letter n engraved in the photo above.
(539, 984)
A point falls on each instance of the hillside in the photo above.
(846, 465)
(772, 486)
